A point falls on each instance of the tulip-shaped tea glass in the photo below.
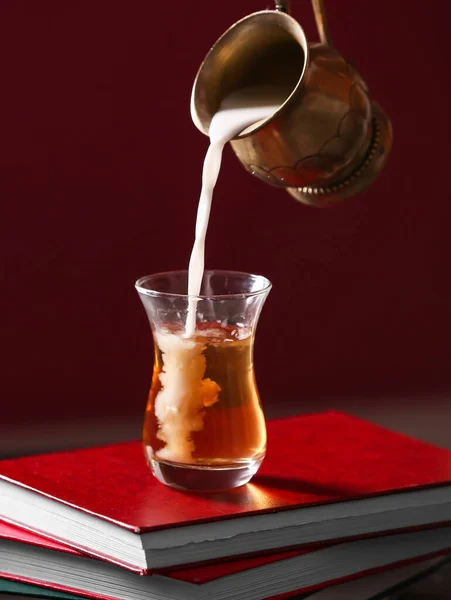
(204, 427)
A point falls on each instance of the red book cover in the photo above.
(313, 460)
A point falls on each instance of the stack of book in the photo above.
(340, 508)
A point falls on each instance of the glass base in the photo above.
(205, 478)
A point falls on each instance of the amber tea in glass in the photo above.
(204, 427)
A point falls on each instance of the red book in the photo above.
(29, 558)
(326, 477)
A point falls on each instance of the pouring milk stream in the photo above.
(237, 112)
(179, 404)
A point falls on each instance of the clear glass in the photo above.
(204, 427)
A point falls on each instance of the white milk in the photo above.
(179, 404)
(237, 112)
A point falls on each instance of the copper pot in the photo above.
(328, 140)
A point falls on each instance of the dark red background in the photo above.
(100, 173)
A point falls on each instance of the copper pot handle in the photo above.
(320, 17)
(321, 22)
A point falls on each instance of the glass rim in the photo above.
(267, 285)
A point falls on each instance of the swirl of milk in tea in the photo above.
(180, 405)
